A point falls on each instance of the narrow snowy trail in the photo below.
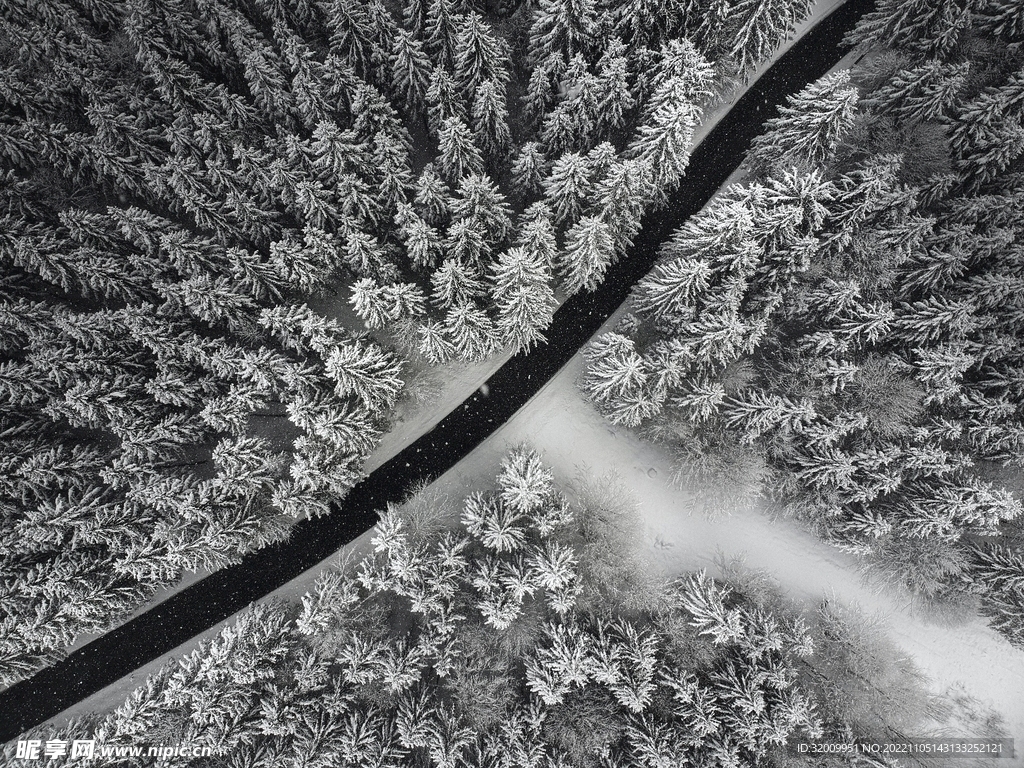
(569, 433)
(97, 677)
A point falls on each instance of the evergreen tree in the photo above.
(479, 55)
(811, 124)
(999, 571)
(568, 186)
(443, 101)
(466, 242)
(573, 123)
(754, 29)
(422, 242)
(366, 371)
(565, 27)
(623, 195)
(482, 204)
(411, 70)
(432, 196)
(1000, 18)
(528, 169)
(490, 119)
(470, 332)
(617, 378)
(986, 138)
(441, 27)
(454, 284)
(589, 250)
(924, 28)
(382, 305)
(662, 142)
(522, 293)
(414, 15)
(540, 89)
(682, 61)
(922, 93)
(537, 233)
(354, 38)
(433, 345)
(457, 154)
(613, 94)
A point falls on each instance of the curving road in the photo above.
(219, 595)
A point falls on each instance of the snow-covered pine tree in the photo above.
(411, 71)
(440, 30)
(523, 296)
(589, 251)
(467, 243)
(364, 255)
(367, 371)
(648, 22)
(568, 187)
(479, 55)
(432, 196)
(422, 242)
(433, 345)
(414, 16)
(809, 127)
(927, 29)
(380, 306)
(490, 119)
(754, 29)
(925, 92)
(622, 197)
(573, 123)
(618, 379)
(662, 141)
(537, 233)
(470, 331)
(356, 35)
(614, 97)
(1000, 18)
(481, 203)
(563, 27)
(683, 61)
(529, 168)
(541, 88)
(453, 283)
(443, 101)
(987, 136)
(458, 155)
(999, 571)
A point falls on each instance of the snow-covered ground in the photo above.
(570, 434)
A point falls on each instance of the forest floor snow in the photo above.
(570, 435)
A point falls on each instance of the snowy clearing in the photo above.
(569, 434)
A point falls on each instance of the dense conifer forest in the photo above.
(842, 332)
(180, 177)
(517, 627)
